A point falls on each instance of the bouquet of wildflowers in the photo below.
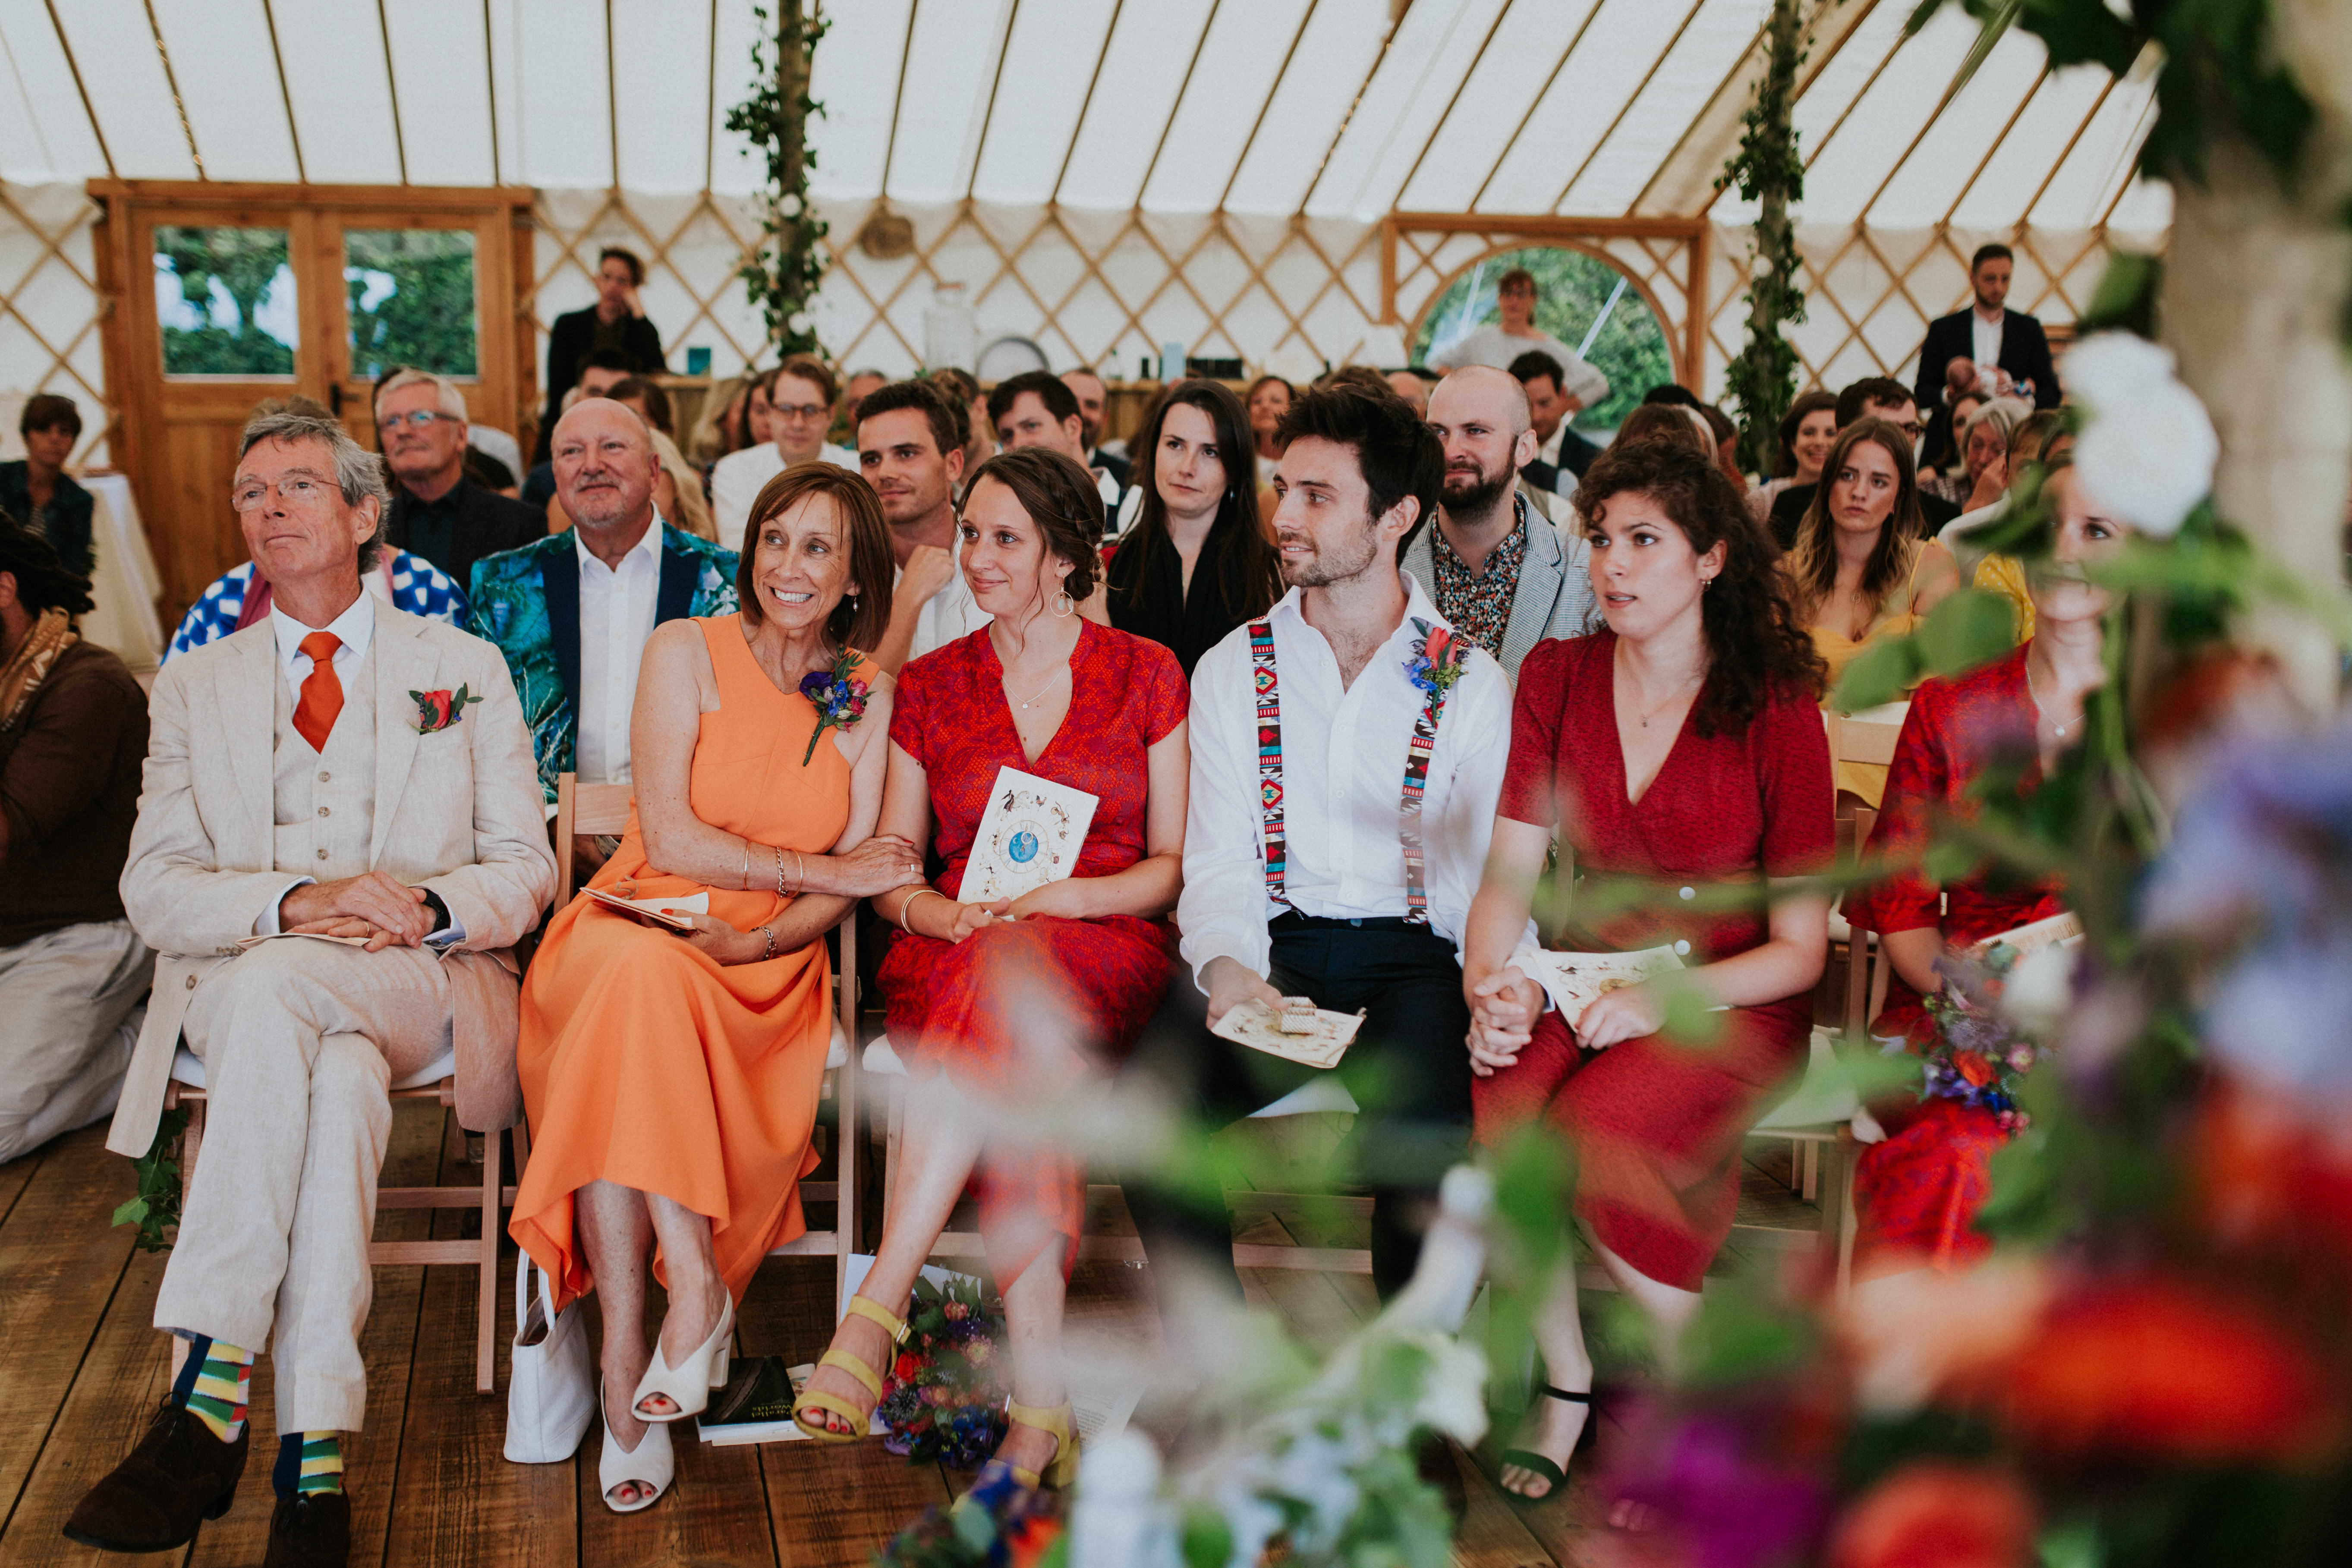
(1977, 1055)
(944, 1397)
(991, 1526)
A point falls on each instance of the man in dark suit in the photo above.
(1873, 397)
(1094, 401)
(437, 511)
(615, 323)
(1990, 342)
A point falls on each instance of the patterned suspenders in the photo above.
(1269, 779)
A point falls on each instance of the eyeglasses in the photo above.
(297, 490)
(1914, 429)
(798, 410)
(417, 420)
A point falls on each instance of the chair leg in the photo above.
(1811, 1151)
(1841, 1191)
(485, 1337)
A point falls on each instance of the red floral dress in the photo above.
(1021, 1009)
(1657, 1124)
(1916, 1194)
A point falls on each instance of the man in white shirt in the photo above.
(1093, 408)
(1034, 409)
(800, 401)
(1499, 345)
(1325, 731)
(910, 446)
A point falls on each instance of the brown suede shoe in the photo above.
(313, 1532)
(178, 1476)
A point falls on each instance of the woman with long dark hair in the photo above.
(1678, 750)
(1806, 432)
(1196, 564)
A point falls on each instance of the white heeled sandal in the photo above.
(654, 1464)
(687, 1384)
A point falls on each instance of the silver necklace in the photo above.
(1029, 701)
(2056, 728)
(1677, 694)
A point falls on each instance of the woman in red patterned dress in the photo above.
(1916, 1194)
(1006, 1008)
(1682, 749)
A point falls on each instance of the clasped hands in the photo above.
(1505, 1005)
(950, 921)
(372, 906)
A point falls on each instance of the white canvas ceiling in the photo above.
(1270, 107)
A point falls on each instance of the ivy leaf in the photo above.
(1970, 628)
(2126, 299)
(1208, 1539)
(1879, 674)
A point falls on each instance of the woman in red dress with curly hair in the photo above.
(1682, 749)
(1007, 1008)
(1916, 1194)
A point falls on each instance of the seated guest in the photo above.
(677, 490)
(1874, 397)
(1005, 1008)
(37, 492)
(499, 446)
(1956, 482)
(910, 443)
(614, 325)
(572, 613)
(2033, 437)
(858, 386)
(1917, 1193)
(1562, 454)
(1094, 403)
(1196, 523)
(1500, 574)
(799, 412)
(1727, 443)
(347, 813)
(1412, 389)
(650, 398)
(1861, 571)
(1034, 409)
(1806, 432)
(1303, 874)
(672, 1082)
(73, 731)
(437, 511)
(719, 430)
(600, 373)
(1668, 422)
(1269, 399)
(979, 434)
(1679, 748)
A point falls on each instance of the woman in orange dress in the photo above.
(672, 1081)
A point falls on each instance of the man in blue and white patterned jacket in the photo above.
(240, 596)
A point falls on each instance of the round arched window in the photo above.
(1581, 302)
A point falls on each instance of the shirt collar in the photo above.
(1994, 319)
(353, 628)
(650, 547)
(1417, 605)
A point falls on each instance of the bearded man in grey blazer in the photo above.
(342, 770)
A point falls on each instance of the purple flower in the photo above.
(814, 681)
(1731, 1506)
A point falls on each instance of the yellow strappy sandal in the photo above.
(1062, 1422)
(817, 1399)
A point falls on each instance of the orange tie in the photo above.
(323, 694)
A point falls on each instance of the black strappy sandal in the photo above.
(1527, 1460)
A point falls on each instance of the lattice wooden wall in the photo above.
(50, 307)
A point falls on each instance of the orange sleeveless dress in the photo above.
(647, 1064)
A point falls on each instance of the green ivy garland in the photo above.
(782, 272)
(1762, 382)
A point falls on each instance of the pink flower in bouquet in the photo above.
(980, 1353)
(1937, 1515)
(955, 1311)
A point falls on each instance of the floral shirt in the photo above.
(1480, 606)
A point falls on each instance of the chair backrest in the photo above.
(1864, 737)
(584, 808)
(1865, 968)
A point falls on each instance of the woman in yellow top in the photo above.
(1861, 570)
(672, 1079)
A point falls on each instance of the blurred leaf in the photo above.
(1690, 1017)
(1743, 1334)
(1970, 628)
(1881, 673)
(1208, 1539)
(2074, 1544)
(2126, 300)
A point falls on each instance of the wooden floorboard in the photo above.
(14, 1177)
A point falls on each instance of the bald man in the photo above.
(1503, 575)
(571, 612)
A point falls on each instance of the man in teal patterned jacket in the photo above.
(535, 602)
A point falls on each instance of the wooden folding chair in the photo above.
(605, 808)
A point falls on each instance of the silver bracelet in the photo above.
(769, 932)
(780, 869)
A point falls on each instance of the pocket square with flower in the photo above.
(436, 710)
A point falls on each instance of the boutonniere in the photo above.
(436, 710)
(1438, 658)
(839, 699)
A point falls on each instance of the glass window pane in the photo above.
(224, 297)
(412, 300)
(1574, 289)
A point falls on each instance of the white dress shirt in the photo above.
(1343, 760)
(1492, 345)
(1988, 335)
(617, 616)
(738, 478)
(949, 614)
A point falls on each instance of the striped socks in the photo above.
(308, 1463)
(213, 1385)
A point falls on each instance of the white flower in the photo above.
(2040, 989)
(788, 206)
(2149, 448)
(799, 321)
(1453, 1390)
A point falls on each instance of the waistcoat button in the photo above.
(322, 811)
(324, 777)
(192, 983)
(323, 854)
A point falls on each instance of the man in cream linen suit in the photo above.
(314, 773)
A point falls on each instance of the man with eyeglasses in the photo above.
(1873, 397)
(800, 393)
(437, 511)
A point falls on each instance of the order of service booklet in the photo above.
(1300, 1032)
(2055, 931)
(667, 913)
(1029, 835)
(1576, 980)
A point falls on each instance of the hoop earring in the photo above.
(1063, 603)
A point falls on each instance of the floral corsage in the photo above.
(943, 1399)
(839, 699)
(436, 710)
(1977, 1055)
(1438, 659)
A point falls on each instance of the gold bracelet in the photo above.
(780, 869)
(911, 904)
(800, 874)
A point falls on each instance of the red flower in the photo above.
(1937, 1515)
(440, 700)
(2152, 1368)
(1972, 1066)
(1028, 1540)
(1433, 646)
(903, 1368)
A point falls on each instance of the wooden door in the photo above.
(230, 295)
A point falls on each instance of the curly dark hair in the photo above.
(42, 582)
(1755, 643)
(1062, 499)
